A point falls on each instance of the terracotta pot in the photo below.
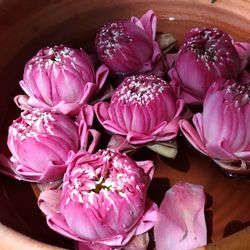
(26, 26)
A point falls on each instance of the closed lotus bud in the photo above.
(103, 201)
(222, 130)
(40, 142)
(181, 220)
(129, 46)
(206, 55)
(60, 78)
(143, 109)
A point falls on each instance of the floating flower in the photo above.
(222, 130)
(129, 46)
(40, 142)
(206, 55)
(60, 78)
(181, 221)
(143, 109)
(103, 201)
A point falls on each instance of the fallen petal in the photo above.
(181, 222)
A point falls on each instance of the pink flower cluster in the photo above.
(100, 200)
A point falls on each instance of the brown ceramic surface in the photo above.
(26, 26)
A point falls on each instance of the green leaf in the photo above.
(168, 150)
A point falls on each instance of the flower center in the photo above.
(111, 37)
(207, 44)
(32, 124)
(51, 55)
(238, 93)
(140, 89)
(102, 174)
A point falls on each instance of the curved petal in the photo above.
(119, 143)
(189, 99)
(147, 22)
(95, 137)
(52, 172)
(102, 111)
(86, 115)
(22, 102)
(219, 150)
(139, 138)
(49, 201)
(68, 108)
(58, 223)
(197, 121)
(101, 75)
(8, 168)
(167, 131)
(192, 136)
(147, 166)
(149, 218)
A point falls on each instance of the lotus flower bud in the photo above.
(129, 46)
(60, 78)
(206, 55)
(40, 142)
(181, 221)
(103, 201)
(144, 108)
(222, 130)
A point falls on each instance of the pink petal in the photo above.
(49, 201)
(86, 115)
(57, 223)
(119, 143)
(91, 246)
(147, 22)
(101, 75)
(181, 222)
(8, 168)
(149, 218)
(147, 166)
(102, 111)
(52, 172)
(243, 49)
(219, 150)
(139, 138)
(22, 102)
(192, 136)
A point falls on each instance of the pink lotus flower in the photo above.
(103, 201)
(40, 142)
(181, 221)
(60, 78)
(129, 47)
(143, 109)
(206, 55)
(222, 130)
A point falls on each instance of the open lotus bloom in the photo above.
(129, 46)
(181, 222)
(60, 78)
(206, 55)
(143, 109)
(103, 202)
(41, 141)
(222, 130)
